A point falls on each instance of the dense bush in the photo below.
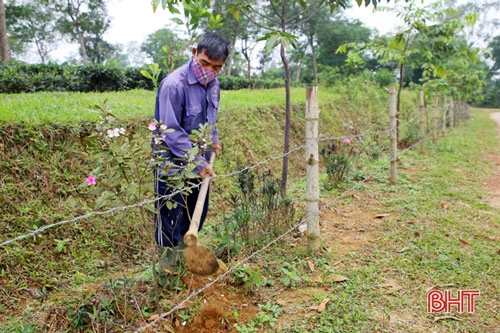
(18, 77)
(236, 83)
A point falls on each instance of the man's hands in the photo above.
(217, 149)
(208, 171)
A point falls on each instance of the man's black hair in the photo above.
(216, 46)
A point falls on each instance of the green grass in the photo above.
(67, 107)
(419, 247)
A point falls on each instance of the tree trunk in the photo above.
(82, 44)
(288, 115)
(313, 55)
(299, 71)
(230, 58)
(244, 51)
(284, 173)
(398, 100)
(4, 43)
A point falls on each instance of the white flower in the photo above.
(121, 131)
(114, 133)
(152, 126)
(163, 127)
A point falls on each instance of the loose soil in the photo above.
(345, 228)
(492, 184)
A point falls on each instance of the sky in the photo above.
(134, 20)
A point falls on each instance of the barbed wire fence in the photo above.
(325, 206)
(453, 115)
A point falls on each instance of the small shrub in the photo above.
(259, 214)
(337, 159)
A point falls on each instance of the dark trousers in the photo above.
(172, 224)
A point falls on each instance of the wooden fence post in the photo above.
(445, 113)
(422, 120)
(452, 112)
(434, 117)
(312, 158)
(393, 134)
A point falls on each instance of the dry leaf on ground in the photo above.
(445, 317)
(322, 305)
(464, 243)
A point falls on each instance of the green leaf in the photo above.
(341, 49)
(177, 20)
(71, 202)
(146, 74)
(173, 9)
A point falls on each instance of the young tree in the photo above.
(423, 45)
(278, 18)
(310, 28)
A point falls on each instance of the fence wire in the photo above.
(231, 174)
(325, 206)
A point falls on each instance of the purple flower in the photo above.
(152, 126)
(346, 141)
(91, 180)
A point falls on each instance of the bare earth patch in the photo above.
(492, 185)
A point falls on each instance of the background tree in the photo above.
(165, 48)
(29, 24)
(95, 22)
(4, 44)
(336, 32)
(494, 46)
(83, 21)
(309, 28)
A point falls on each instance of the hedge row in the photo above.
(17, 77)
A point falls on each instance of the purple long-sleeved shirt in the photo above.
(182, 104)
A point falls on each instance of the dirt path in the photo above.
(493, 183)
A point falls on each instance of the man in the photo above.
(186, 99)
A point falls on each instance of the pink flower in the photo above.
(164, 138)
(346, 141)
(91, 180)
(152, 126)
(163, 127)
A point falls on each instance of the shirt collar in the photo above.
(191, 77)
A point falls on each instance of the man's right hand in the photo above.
(206, 172)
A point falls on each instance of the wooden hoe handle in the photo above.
(191, 236)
